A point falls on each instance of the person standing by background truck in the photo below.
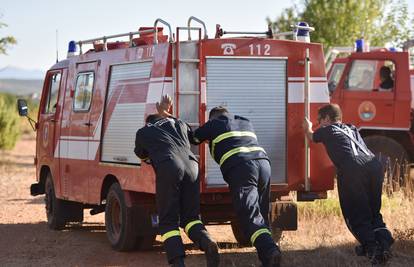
(360, 177)
(164, 141)
(245, 167)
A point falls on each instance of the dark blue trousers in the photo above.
(178, 203)
(249, 184)
(360, 188)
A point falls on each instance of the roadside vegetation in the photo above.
(11, 125)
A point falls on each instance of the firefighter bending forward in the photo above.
(246, 168)
(164, 141)
(360, 178)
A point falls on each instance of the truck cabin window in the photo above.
(52, 94)
(335, 76)
(83, 91)
(371, 75)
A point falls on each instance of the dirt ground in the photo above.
(25, 239)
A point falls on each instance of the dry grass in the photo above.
(322, 238)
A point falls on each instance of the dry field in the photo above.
(322, 238)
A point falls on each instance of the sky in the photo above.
(34, 23)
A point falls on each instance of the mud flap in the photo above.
(36, 189)
(284, 216)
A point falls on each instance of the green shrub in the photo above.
(9, 122)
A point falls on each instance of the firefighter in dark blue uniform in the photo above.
(245, 167)
(360, 176)
(164, 141)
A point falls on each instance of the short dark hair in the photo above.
(217, 111)
(385, 72)
(152, 118)
(333, 111)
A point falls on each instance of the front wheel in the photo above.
(54, 206)
(386, 149)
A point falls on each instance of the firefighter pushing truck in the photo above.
(94, 101)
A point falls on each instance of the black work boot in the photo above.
(274, 259)
(178, 262)
(375, 254)
(360, 250)
(384, 237)
(210, 249)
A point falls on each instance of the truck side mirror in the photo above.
(23, 112)
(22, 107)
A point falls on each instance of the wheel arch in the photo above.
(108, 181)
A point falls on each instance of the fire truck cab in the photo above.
(383, 115)
(94, 101)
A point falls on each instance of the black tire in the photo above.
(145, 242)
(241, 238)
(54, 206)
(386, 148)
(119, 222)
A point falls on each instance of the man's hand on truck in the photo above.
(164, 106)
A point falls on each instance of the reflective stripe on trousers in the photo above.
(170, 234)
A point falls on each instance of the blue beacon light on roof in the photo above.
(71, 49)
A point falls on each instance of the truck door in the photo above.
(80, 152)
(362, 99)
(48, 122)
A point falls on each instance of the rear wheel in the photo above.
(119, 223)
(386, 148)
(145, 242)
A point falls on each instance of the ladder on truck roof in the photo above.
(187, 57)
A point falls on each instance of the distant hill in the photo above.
(21, 87)
(11, 72)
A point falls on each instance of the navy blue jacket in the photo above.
(231, 140)
(166, 139)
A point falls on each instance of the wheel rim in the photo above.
(116, 218)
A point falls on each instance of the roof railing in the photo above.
(170, 38)
(104, 39)
(191, 28)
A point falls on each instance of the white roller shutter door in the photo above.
(254, 88)
(119, 138)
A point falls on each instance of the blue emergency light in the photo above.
(392, 49)
(359, 45)
(303, 32)
(72, 47)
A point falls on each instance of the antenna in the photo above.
(57, 50)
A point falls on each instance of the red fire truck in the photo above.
(384, 116)
(94, 101)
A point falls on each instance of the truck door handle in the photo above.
(88, 124)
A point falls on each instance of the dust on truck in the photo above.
(94, 101)
(384, 117)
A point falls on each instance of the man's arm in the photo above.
(203, 133)
(139, 150)
(307, 127)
